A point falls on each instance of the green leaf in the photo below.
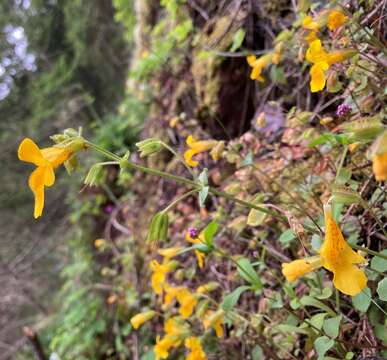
(362, 301)
(325, 294)
(256, 217)
(277, 75)
(203, 177)
(288, 329)
(257, 353)
(382, 289)
(287, 236)
(203, 193)
(237, 40)
(322, 344)
(310, 301)
(318, 320)
(149, 355)
(248, 160)
(209, 232)
(332, 326)
(247, 272)
(343, 176)
(378, 263)
(232, 298)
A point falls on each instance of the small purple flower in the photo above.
(108, 208)
(343, 109)
(193, 232)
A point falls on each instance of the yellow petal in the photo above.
(296, 269)
(379, 166)
(49, 176)
(255, 73)
(188, 158)
(337, 256)
(36, 183)
(317, 78)
(350, 280)
(251, 60)
(336, 19)
(141, 318)
(55, 155)
(29, 152)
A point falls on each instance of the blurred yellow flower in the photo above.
(170, 294)
(161, 349)
(196, 147)
(187, 302)
(214, 320)
(336, 256)
(159, 275)
(197, 240)
(46, 160)
(310, 24)
(170, 252)
(379, 166)
(336, 19)
(258, 64)
(276, 56)
(99, 243)
(197, 352)
(141, 318)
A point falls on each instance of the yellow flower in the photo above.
(202, 289)
(159, 275)
(336, 19)
(197, 352)
(337, 256)
(170, 294)
(187, 302)
(214, 320)
(170, 252)
(198, 240)
(141, 318)
(258, 64)
(312, 36)
(161, 349)
(379, 166)
(276, 57)
(310, 24)
(46, 161)
(99, 243)
(196, 147)
(321, 61)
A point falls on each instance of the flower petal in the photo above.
(36, 183)
(29, 152)
(49, 176)
(350, 280)
(188, 158)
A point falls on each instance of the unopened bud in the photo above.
(364, 129)
(149, 146)
(158, 230)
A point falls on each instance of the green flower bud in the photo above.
(158, 230)
(93, 175)
(364, 129)
(149, 146)
(345, 196)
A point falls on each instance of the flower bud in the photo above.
(149, 146)
(93, 175)
(364, 129)
(158, 230)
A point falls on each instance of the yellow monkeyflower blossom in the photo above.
(321, 61)
(336, 19)
(196, 147)
(175, 326)
(379, 157)
(198, 240)
(197, 352)
(214, 320)
(379, 166)
(159, 274)
(336, 256)
(170, 252)
(258, 64)
(187, 302)
(170, 294)
(46, 160)
(141, 318)
(276, 56)
(162, 347)
(310, 24)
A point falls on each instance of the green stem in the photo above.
(341, 163)
(174, 202)
(368, 251)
